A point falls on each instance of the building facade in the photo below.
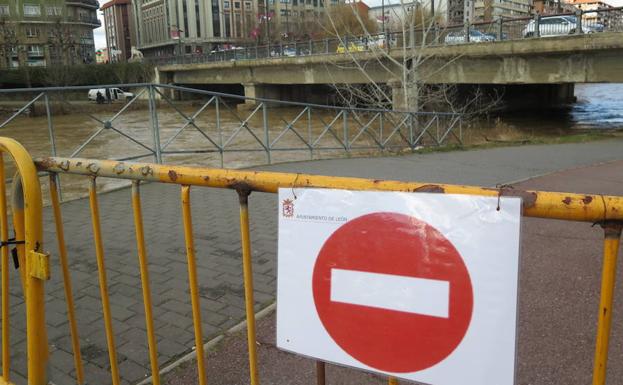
(490, 10)
(170, 27)
(119, 29)
(591, 18)
(47, 32)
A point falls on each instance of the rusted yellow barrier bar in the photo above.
(553, 205)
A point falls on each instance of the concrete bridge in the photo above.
(549, 66)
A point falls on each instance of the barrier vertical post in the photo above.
(248, 283)
(144, 270)
(4, 237)
(192, 281)
(62, 253)
(320, 373)
(101, 269)
(612, 236)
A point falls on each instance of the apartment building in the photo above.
(120, 30)
(489, 10)
(47, 32)
(591, 5)
(169, 27)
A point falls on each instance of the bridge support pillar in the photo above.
(260, 91)
(404, 98)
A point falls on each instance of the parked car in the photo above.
(494, 36)
(558, 25)
(475, 36)
(353, 46)
(108, 94)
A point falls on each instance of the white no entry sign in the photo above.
(420, 286)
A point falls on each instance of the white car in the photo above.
(109, 94)
(475, 36)
(556, 26)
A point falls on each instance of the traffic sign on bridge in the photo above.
(419, 286)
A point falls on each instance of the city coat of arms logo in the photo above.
(287, 208)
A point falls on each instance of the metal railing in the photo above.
(604, 210)
(594, 21)
(154, 123)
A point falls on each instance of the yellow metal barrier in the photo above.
(34, 267)
(605, 210)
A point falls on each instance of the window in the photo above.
(4, 10)
(35, 50)
(32, 10)
(32, 32)
(225, 4)
(53, 11)
(247, 5)
(237, 5)
(284, 1)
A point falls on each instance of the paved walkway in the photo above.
(558, 303)
(218, 251)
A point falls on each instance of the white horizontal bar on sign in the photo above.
(423, 296)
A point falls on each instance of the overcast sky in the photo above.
(100, 38)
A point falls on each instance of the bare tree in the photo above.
(402, 53)
(9, 44)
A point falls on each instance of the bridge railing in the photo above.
(594, 21)
(191, 126)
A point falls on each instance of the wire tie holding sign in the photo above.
(501, 187)
(294, 184)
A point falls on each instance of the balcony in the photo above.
(91, 4)
(92, 22)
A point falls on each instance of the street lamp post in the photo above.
(383, 18)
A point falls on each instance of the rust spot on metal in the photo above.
(432, 188)
(612, 229)
(377, 181)
(587, 199)
(172, 175)
(528, 198)
(567, 200)
(244, 190)
(92, 167)
(206, 178)
(78, 164)
(146, 170)
(45, 164)
(119, 168)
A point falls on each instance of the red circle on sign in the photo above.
(386, 339)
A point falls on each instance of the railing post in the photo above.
(266, 133)
(326, 46)
(578, 22)
(537, 25)
(311, 47)
(154, 123)
(48, 113)
(466, 28)
(500, 28)
(345, 117)
(219, 130)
